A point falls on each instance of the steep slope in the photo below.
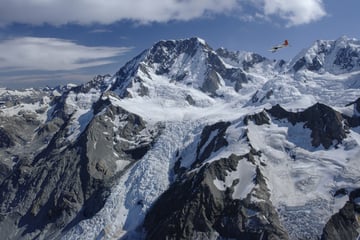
(70, 177)
(344, 224)
(306, 177)
(225, 198)
(189, 63)
(187, 142)
(166, 102)
(336, 57)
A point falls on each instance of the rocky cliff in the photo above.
(188, 142)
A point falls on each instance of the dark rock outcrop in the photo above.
(252, 60)
(255, 58)
(66, 181)
(5, 139)
(193, 208)
(216, 67)
(332, 56)
(347, 58)
(299, 64)
(162, 57)
(326, 124)
(354, 121)
(259, 118)
(211, 140)
(58, 169)
(346, 223)
(314, 65)
(357, 106)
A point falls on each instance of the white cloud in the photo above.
(296, 12)
(52, 54)
(58, 12)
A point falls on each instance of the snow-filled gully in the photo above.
(136, 190)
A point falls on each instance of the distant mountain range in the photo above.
(188, 142)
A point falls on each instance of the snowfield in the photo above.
(302, 179)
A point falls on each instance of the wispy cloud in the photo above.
(53, 54)
(295, 12)
(101, 30)
(59, 12)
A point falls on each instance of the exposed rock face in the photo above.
(63, 150)
(165, 53)
(65, 182)
(181, 61)
(202, 211)
(299, 64)
(357, 102)
(216, 67)
(212, 139)
(325, 123)
(336, 56)
(255, 58)
(6, 140)
(43, 190)
(354, 121)
(190, 100)
(345, 224)
(314, 65)
(17, 142)
(259, 118)
(248, 63)
(347, 58)
(233, 56)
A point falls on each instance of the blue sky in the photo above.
(53, 42)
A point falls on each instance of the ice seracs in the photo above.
(188, 142)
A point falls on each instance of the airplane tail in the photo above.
(286, 43)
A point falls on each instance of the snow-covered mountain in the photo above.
(336, 57)
(188, 142)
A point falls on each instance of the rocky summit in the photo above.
(188, 142)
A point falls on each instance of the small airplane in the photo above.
(275, 48)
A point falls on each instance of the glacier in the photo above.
(183, 87)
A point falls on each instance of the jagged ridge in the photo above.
(181, 121)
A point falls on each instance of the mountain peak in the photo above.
(187, 62)
(185, 142)
(183, 45)
(333, 56)
(345, 40)
(168, 49)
